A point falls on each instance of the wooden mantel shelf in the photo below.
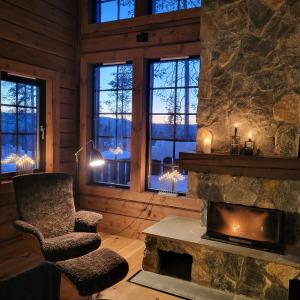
(251, 166)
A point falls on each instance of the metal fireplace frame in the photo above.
(277, 247)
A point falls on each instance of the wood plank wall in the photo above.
(126, 212)
(43, 33)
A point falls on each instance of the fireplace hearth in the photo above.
(248, 226)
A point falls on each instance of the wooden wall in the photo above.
(128, 212)
(43, 33)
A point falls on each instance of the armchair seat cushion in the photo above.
(70, 245)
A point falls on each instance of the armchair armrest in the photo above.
(28, 228)
(87, 221)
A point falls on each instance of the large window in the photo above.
(112, 122)
(163, 6)
(173, 99)
(113, 10)
(22, 124)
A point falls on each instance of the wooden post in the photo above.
(139, 119)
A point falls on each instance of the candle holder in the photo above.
(249, 147)
(235, 145)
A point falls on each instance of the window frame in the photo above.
(94, 66)
(41, 106)
(150, 114)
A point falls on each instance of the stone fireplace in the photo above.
(250, 75)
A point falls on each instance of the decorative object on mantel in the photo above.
(207, 146)
(249, 148)
(235, 142)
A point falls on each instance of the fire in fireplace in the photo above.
(245, 225)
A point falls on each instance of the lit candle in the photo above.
(207, 145)
(235, 129)
(250, 136)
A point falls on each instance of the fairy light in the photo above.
(10, 159)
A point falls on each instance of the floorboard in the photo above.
(14, 258)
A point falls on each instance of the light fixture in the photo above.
(95, 160)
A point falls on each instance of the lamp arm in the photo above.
(81, 148)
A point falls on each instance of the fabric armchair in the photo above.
(46, 209)
(87, 221)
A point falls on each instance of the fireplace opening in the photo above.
(245, 225)
(175, 264)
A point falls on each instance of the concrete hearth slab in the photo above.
(179, 287)
(189, 230)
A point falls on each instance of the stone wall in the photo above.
(251, 74)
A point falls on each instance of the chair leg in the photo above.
(92, 297)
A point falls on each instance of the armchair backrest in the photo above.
(46, 201)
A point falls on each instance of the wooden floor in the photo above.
(14, 258)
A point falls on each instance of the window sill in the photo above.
(183, 202)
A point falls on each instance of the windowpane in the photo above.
(173, 101)
(187, 101)
(8, 119)
(163, 101)
(163, 74)
(163, 6)
(162, 127)
(112, 128)
(113, 10)
(8, 92)
(19, 124)
(186, 127)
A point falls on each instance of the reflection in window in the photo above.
(173, 99)
(163, 6)
(113, 10)
(19, 124)
(112, 122)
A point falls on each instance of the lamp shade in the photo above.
(96, 159)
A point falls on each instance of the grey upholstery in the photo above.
(94, 271)
(46, 209)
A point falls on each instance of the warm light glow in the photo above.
(12, 158)
(25, 161)
(174, 176)
(237, 224)
(250, 135)
(207, 145)
(116, 151)
(236, 125)
(97, 163)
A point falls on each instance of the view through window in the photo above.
(173, 100)
(163, 6)
(21, 117)
(113, 10)
(112, 122)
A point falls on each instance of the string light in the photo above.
(10, 159)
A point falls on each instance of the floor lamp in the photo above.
(95, 160)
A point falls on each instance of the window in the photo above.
(22, 117)
(173, 100)
(163, 6)
(112, 122)
(113, 10)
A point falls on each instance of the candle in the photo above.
(250, 136)
(235, 129)
(207, 145)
